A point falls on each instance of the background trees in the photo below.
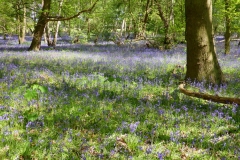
(226, 21)
(161, 22)
(146, 19)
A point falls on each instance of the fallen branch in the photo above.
(225, 100)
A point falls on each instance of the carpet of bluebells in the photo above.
(85, 101)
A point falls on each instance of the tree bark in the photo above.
(39, 28)
(202, 63)
(227, 31)
(54, 43)
(22, 25)
(48, 35)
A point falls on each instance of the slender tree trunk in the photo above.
(227, 24)
(39, 28)
(145, 19)
(166, 21)
(48, 35)
(57, 25)
(202, 63)
(69, 28)
(5, 36)
(54, 43)
(123, 28)
(22, 26)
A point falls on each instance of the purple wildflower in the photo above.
(4, 117)
(34, 124)
(185, 108)
(234, 109)
(133, 126)
(149, 150)
(160, 112)
(160, 156)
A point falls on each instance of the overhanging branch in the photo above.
(60, 18)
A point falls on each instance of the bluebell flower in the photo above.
(223, 158)
(149, 150)
(185, 108)
(234, 109)
(160, 112)
(4, 117)
(160, 156)
(34, 124)
(133, 126)
(2, 107)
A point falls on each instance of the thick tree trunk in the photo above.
(202, 63)
(39, 28)
(227, 24)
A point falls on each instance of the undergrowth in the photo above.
(111, 105)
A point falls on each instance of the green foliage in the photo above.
(111, 78)
(29, 115)
(35, 91)
(112, 105)
(219, 13)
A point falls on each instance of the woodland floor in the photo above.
(86, 101)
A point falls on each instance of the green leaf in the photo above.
(110, 79)
(118, 79)
(30, 116)
(30, 94)
(43, 89)
(35, 86)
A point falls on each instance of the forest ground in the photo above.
(86, 101)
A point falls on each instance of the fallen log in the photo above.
(213, 98)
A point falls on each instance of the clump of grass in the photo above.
(110, 105)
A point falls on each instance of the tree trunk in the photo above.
(54, 43)
(202, 63)
(57, 25)
(22, 26)
(166, 21)
(44, 18)
(123, 28)
(5, 36)
(69, 28)
(145, 19)
(48, 35)
(227, 24)
(39, 28)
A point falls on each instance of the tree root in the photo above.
(213, 98)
